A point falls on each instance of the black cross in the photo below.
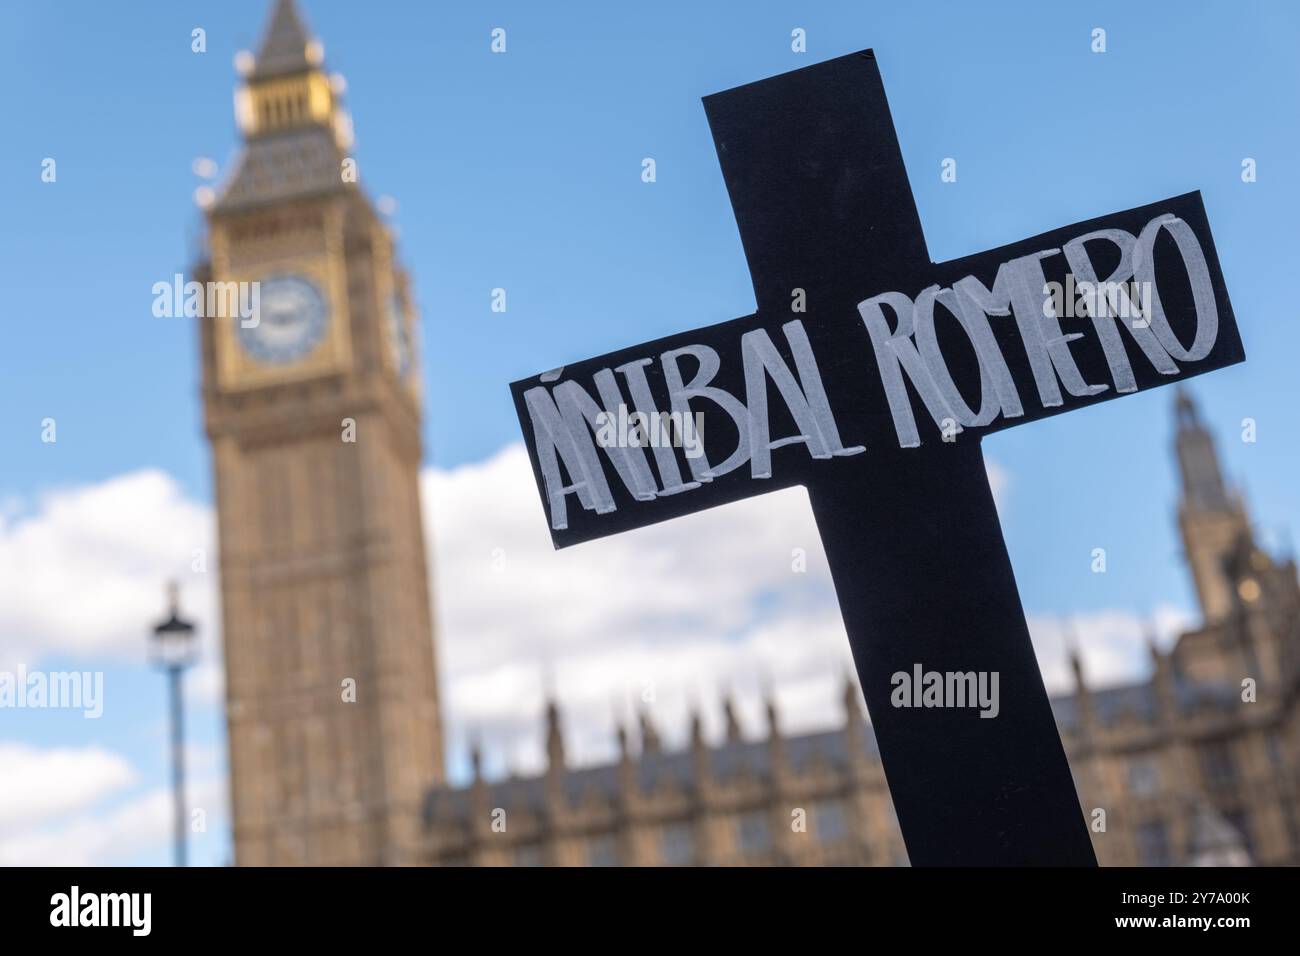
(897, 483)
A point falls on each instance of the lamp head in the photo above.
(174, 644)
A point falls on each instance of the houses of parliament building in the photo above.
(324, 578)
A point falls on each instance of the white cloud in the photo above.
(45, 783)
(1111, 644)
(82, 572)
(105, 836)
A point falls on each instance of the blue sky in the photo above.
(522, 171)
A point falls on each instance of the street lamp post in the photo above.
(173, 649)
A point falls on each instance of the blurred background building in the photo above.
(1195, 766)
(336, 749)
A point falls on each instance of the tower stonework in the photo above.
(313, 413)
(1211, 518)
(1245, 593)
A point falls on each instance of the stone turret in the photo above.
(1087, 710)
(855, 728)
(775, 742)
(649, 735)
(732, 722)
(554, 739)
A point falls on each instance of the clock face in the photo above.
(292, 320)
(399, 340)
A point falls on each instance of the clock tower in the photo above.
(312, 408)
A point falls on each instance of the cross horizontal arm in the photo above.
(1066, 319)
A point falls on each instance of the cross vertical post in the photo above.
(912, 540)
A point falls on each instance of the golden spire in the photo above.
(287, 46)
(286, 87)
